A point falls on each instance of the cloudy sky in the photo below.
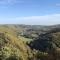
(35, 12)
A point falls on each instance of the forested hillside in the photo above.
(25, 42)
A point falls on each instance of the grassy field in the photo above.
(24, 39)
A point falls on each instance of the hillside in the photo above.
(11, 46)
(17, 44)
(47, 40)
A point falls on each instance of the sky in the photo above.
(30, 12)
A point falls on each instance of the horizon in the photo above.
(30, 24)
(32, 12)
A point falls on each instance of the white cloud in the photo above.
(33, 20)
(40, 20)
(5, 2)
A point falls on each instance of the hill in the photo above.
(25, 42)
(11, 47)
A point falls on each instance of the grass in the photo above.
(24, 39)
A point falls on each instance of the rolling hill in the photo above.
(25, 42)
